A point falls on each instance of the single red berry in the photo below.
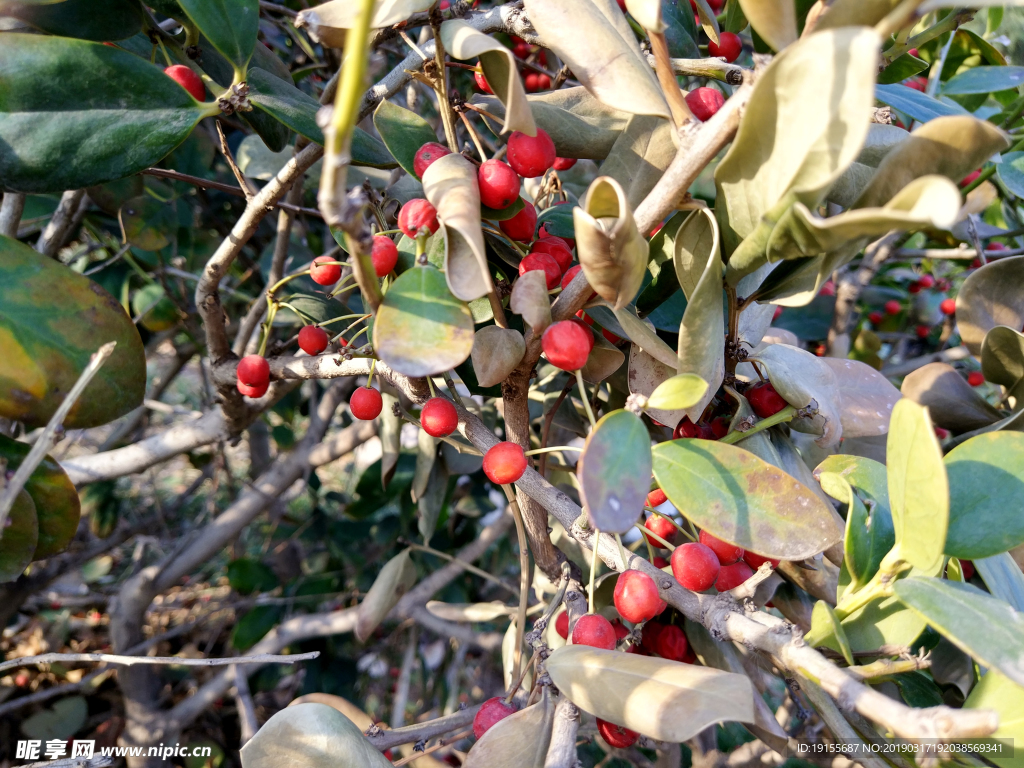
(765, 400)
(490, 712)
(725, 552)
(253, 392)
(755, 561)
(875, 318)
(594, 630)
(564, 163)
(559, 252)
(914, 52)
(611, 337)
(776, 314)
(384, 255)
(504, 463)
(544, 262)
(616, 735)
(188, 80)
(996, 246)
(366, 403)
(544, 237)
(313, 339)
(481, 82)
(948, 306)
(323, 271)
(622, 5)
(531, 156)
(562, 625)
(656, 498)
(917, 83)
(659, 562)
(704, 102)
(975, 378)
(969, 178)
(976, 263)
(893, 307)
(828, 289)
(922, 331)
(672, 644)
(586, 328)
(636, 597)
(439, 417)
(731, 576)
(719, 427)
(416, 215)
(695, 566)
(941, 433)
(570, 274)
(426, 155)
(521, 226)
(566, 345)
(926, 281)
(521, 49)
(968, 569)
(543, 81)
(660, 526)
(499, 184)
(685, 428)
(914, 287)
(729, 46)
(543, 232)
(253, 371)
(532, 82)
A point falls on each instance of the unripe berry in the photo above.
(313, 340)
(755, 561)
(564, 163)
(481, 82)
(616, 735)
(704, 102)
(504, 463)
(499, 184)
(566, 345)
(415, 215)
(188, 80)
(594, 630)
(729, 46)
(765, 400)
(490, 712)
(521, 226)
(531, 156)
(562, 625)
(975, 378)
(439, 417)
(695, 566)
(545, 263)
(893, 307)
(948, 306)
(731, 576)
(636, 597)
(426, 155)
(672, 644)
(662, 527)
(725, 552)
(323, 272)
(656, 498)
(366, 403)
(557, 250)
(253, 371)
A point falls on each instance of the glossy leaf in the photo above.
(46, 345)
(58, 507)
(403, 133)
(866, 396)
(678, 393)
(882, 622)
(987, 629)
(708, 20)
(743, 499)
(517, 741)
(614, 471)
(117, 113)
(773, 20)
(20, 539)
(918, 489)
(826, 631)
(869, 532)
(530, 300)
(952, 402)
(394, 580)
(984, 79)
(309, 735)
(503, 214)
(665, 700)
(990, 296)
(640, 156)
(997, 692)
(317, 308)
(111, 20)
(700, 349)
(916, 105)
(230, 25)
(496, 352)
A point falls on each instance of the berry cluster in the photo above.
(763, 398)
(532, 80)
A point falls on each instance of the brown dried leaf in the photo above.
(496, 352)
(530, 299)
(394, 580)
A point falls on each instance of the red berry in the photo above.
(719, 427)
(543, 232)
(253, 392)
(765, 400)
(685, 428)
(926, 281)
(594, 630)
(729, 46)
(323, 272)
(828, 289)
(531, 156)
(922, 331)
(415, 215)
(649, 638)
(253, 371)
(970, 177)
(490, 713)
(704, 102)
(776, 314)
(566, 345)
(521, 49)
(504, 463)
(543, 81)
(941, 433)
(313, 340)
(532, 82)
(656, 498)
(481, 82)
(893, 307)
(695, 566)
(968, 569)
(731, 576)
(914, 287)
(439, 417)
(672, 643)
(560, 253)
(948, 306)
(188, 80)
(636, 597)
(917, 83)
(426, 155)
(755, 561)
(544, 262)
(660, 526)
(562, 625)
(616, 735)
(384, 255)
(875, 318)
(569, 275)
(996, 246)
(975, 378)
(914, 52)
(622, 5)
(499, 185)
(366, 403)
(564, 163)
(521, 226)
(725, 552)
(620, 630)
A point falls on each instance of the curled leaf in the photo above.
(953, 403)
(614, 471)
(647, 14)
(394, 580)
(496, 352)
(530, 299)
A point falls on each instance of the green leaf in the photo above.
(916, 105)
(997, 692)
(61, 721)
(75, 113)
(85, 19)
(664, 283)
(975, 622)
(558, 221)
(421, 329)
(614, 471)
(1002, 359)
(901, 68)
(230, 25)
(502, 214)
(882, 622)
(679, 392)
(403, 132)
(148, 223)
(744, 500)
(869, 533)
(1011, 172)
(47, 345)
(986, 483)
(773, 20)
(247, 576)
(58, 507)
(681, 30)
(640, 156)
(985, 79)
(155, 311)
(1003, 578)
(21, 536)
(918, 489)
(990, 296)
(318, 308)
(918, 689)
(700, 350)
(828, 632)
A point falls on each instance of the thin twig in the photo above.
(128, 661)
(439, 745)
(163, 173)
(226, 151)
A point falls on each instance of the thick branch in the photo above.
(10, 213)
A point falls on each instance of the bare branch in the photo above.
(128, 661)
(162, 173)
(10, 213)
(61, 222)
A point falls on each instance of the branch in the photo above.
(10, 213)
(161, 173)
(128, 661)
(410, 734)
(718, 69)
(562, 747)
(850, 288)
(63, 219)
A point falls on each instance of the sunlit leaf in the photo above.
(826, 631)
(470, 612)
(866, 396)
(701, 351)
(854, 13)
(394, 580)
(640, 156)
(773, 20)
(984, 79)
(231, 25)
(696, 241)
(679, 392)
(645, 375)
(530, 299)
(517, 741)
(342, 14)
(614, 471)
(869, 532)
